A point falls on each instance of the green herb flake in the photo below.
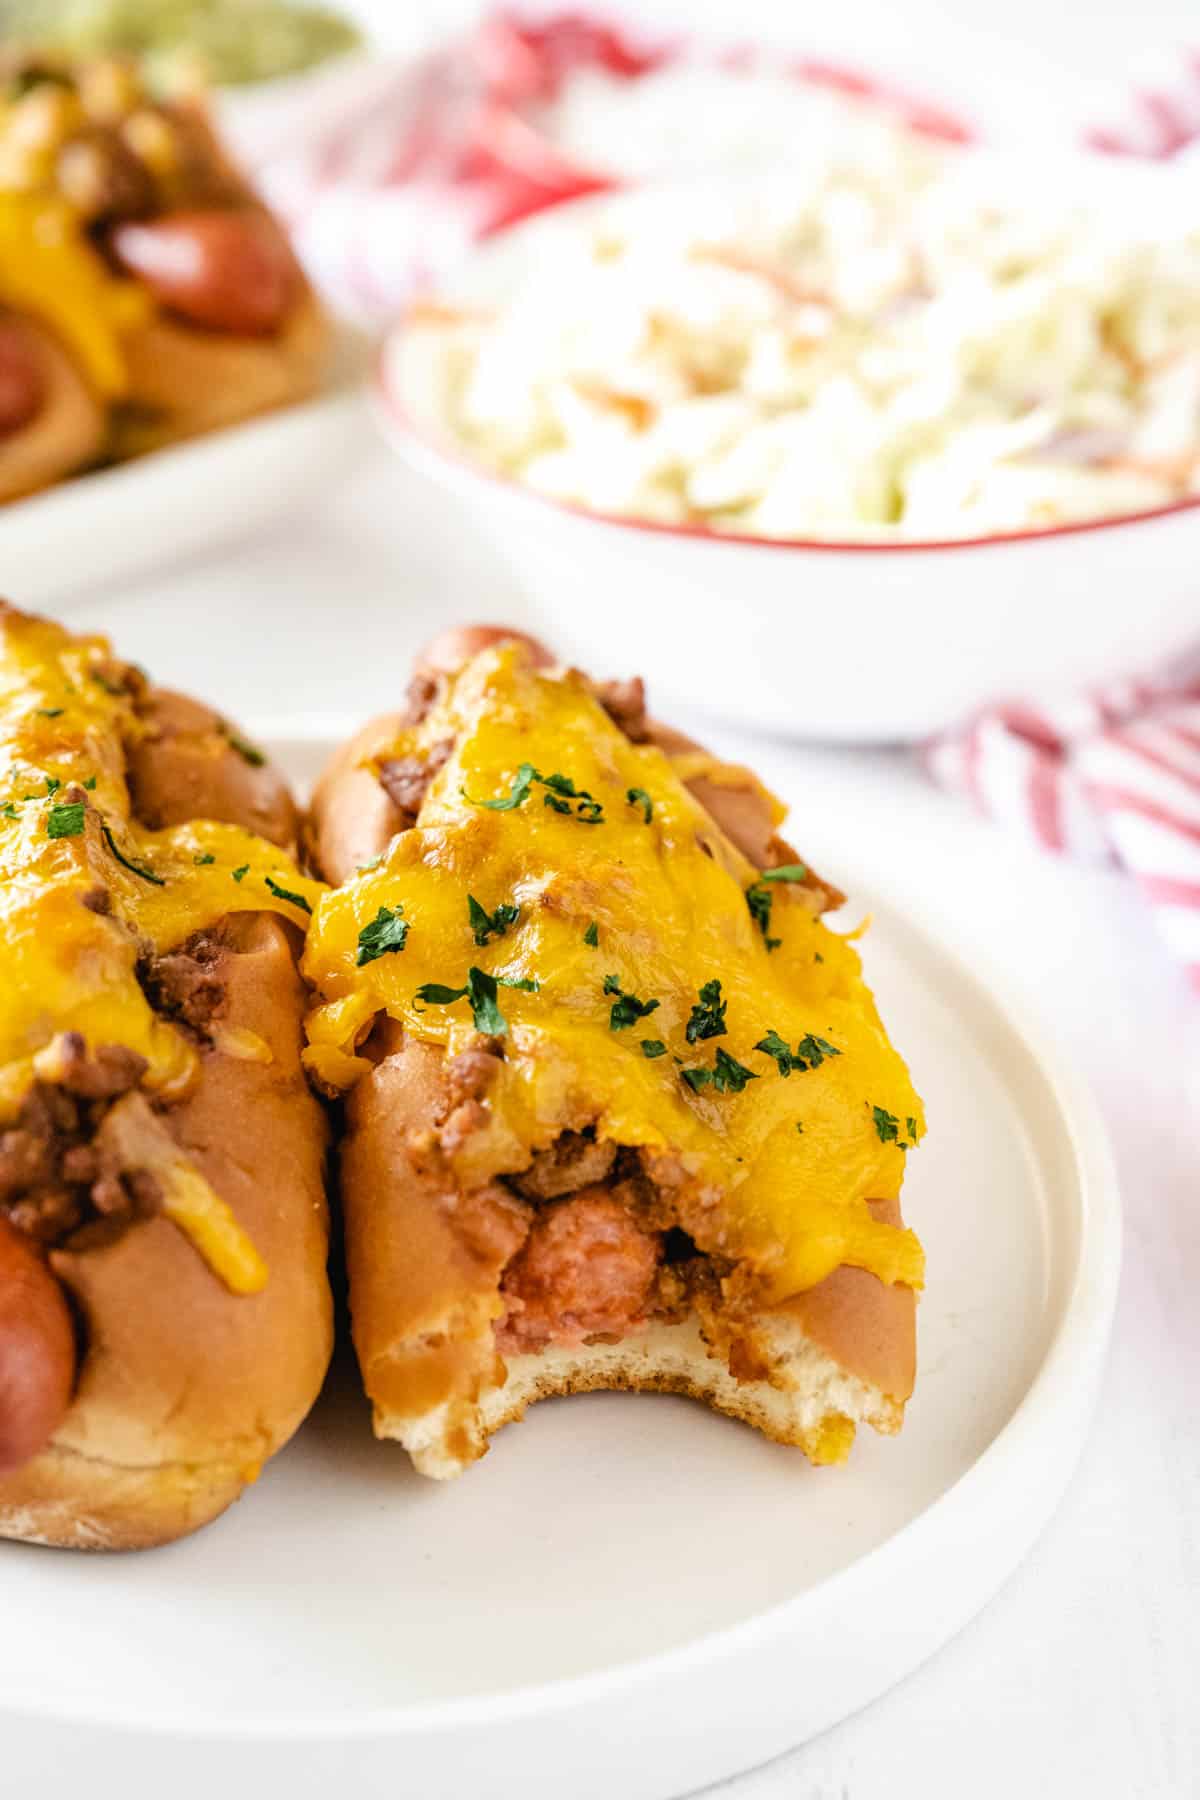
(249, 753)
(387, 933)
(727, 1075)
(626, 1009)
(134, 868)
(9, 811)
(887, 1125)
(817, 957)
(759, 900)
(65, 819)
(517, 794)
(800, 1127)
(708, 1014)
(652, 1047)
(561, 792)
(50, 712)
(52, 784)
(241, 874)
(282, 893)
(480, 991)
(204, 859)
(774, 1045)
(812, 1051)
(90, 784)
(486, 925)
(786, 872)
(639, 797)
(591, 936)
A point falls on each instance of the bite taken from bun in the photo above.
(619, 1109)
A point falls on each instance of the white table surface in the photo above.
(1081, 1676)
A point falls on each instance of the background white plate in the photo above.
(114, 524)
(629, 1596)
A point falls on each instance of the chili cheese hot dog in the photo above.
(620, 1111)
(164, 1309)
(131, 214)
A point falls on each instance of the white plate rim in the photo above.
(1066, 1373)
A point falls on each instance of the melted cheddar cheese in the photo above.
(789, 1162)
(49, 270)
(64, 964)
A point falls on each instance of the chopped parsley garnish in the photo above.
(652, 1047)
(9, 811)
(910, 1125)
(887, 1125)
(488, 925)
(248, 752)
(727, 1075)
(50, 712)
(134, 868)
(817, 957)
(282, 893)
(627, 1009)
(774, 1045)
(480, 991)
(203, 859)
(708, 1014)
(517, 794)
(561, 796)
(90, 784)
(65, 818)
(760, 897)
(241, 874)
(591, 936)
(52, 784)
(387, 932)
(800, 1127)
(639, 797)
(110, 687)
(809, 1053)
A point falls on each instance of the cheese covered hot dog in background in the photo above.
(162, 298)
(165, 1317)
(619, 1109)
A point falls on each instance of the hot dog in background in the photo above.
(619, 1110)
(165, 1317)
(146, 295)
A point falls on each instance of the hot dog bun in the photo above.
(194, 1267)
(488, 1181)
(68, 427)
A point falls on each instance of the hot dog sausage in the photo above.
(22, 389)
(227, 271)
(37, 1351)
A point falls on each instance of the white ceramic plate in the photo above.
(629, 1596)
(100, 529)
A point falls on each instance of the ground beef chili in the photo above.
(404, 779)
(185, 985)
(575, 1160)
(56, 1185)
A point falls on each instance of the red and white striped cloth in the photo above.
(390, 174)
(1108, 776)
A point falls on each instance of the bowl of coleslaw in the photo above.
(842, 450)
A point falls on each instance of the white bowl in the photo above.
(843, 641)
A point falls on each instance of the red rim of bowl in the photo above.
(445, 449)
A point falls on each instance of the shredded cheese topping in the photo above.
(66, 966)
(667, 898)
